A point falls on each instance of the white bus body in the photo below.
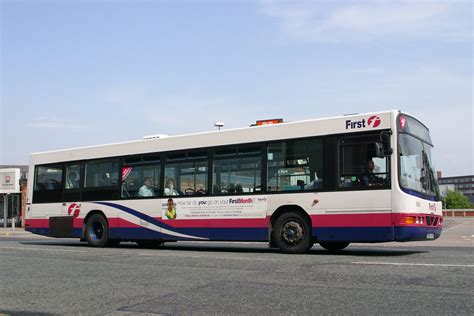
(281, 208)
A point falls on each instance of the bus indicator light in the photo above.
(409, 220)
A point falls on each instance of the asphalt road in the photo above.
(58, 276)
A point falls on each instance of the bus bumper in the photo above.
(410, 233)
(56, 226)
(417, 227)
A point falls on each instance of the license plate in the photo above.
(430, 236)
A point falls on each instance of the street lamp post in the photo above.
(219, 125)
(5, 210)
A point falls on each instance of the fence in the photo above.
(459, 213)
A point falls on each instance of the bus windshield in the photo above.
(417, 171)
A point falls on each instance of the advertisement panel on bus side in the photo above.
(216, 208)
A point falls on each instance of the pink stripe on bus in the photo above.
(352, 220)
(319, 220)
(198, 223)
(37, 223)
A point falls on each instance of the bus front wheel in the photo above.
(292, 233)
(97, 231)
(334, 246)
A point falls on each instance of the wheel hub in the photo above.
(292, 232)
(97, 231)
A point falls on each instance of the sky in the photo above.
(82, 72)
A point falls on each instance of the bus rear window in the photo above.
(49, 178)
(48, 184)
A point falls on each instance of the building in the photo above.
(463, 184)
(13, 183)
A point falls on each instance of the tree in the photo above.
(455, 200)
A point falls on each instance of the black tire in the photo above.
(292, 233)
(149, 243)
(334, 246)
(97, 231)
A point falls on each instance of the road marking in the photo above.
(455, 226)
(43, 249)
(204, 257)
(415, 264)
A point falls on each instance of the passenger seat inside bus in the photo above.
(238, 188)
(124, 190)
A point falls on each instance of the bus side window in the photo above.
(237, 171)
(186, 174)
(101, 180)
(72, 182)
(73, 177)
(359, 163)
(295, 165)
(140, 179)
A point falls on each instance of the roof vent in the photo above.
(157, 136)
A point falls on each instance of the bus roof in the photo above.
(286, 130)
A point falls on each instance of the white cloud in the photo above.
(382, 17)
(333, 22)
(54, 123)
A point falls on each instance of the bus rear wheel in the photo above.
(97, 231)
(334, 246)
(292, 233)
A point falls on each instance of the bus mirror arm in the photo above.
(379, 150)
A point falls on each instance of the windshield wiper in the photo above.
(428, 174)
(425, 171)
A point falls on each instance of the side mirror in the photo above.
(385, 139)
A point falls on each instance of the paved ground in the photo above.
(56, 276)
